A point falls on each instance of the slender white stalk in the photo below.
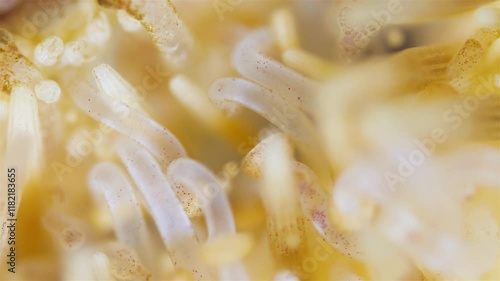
(313, 199)
(112, 84)
(227, 91)
(285, 225)
(124, 264)
(170, 218)
(132, 123)
(130, 226)
(215, 204)
(166, 29)
(24, 134)
(314, 203)
(285, 83)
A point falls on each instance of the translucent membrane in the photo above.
(66, 230)
(113, 85)
(49, 51)
(119, 116)
(161, 21)
(250, 61)
(285, 225)
(170, 218)
(130, 226)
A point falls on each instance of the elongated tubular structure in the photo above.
(289, 119)
(285, 224)
(170, 218)
(132, 123)
(164, 26)
(115, 86)
(123, 263)
(23, 134)
(198, 179)
(314, 203)
(215, 205)
(259, 99)
(130, 226)
(313, 200)
(250, 62)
